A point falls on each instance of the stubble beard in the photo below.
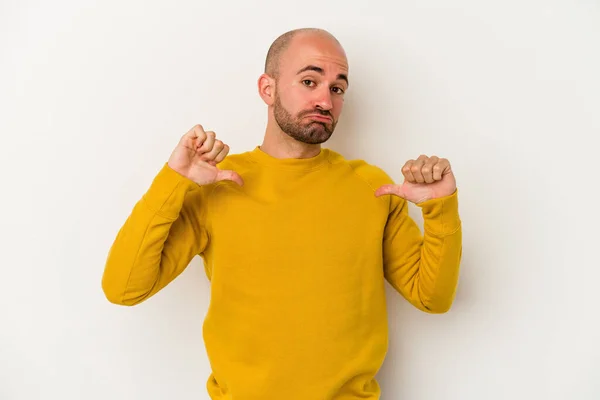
(311, 132)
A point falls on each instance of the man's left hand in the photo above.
(425, 178)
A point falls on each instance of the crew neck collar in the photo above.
(290, 163)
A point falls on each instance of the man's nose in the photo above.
(323, 99)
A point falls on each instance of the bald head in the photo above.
(282, 43)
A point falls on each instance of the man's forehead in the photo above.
(330, 57)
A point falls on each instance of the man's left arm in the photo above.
(424, 268)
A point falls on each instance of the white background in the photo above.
(94, 96)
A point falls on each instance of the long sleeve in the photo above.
(424, 268)
(164, 231)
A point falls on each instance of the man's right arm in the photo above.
(166, 228)
(164, 231)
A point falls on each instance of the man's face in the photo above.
(309, 93)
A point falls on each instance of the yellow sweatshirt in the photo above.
(297, 259)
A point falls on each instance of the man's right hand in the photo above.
(197, 155)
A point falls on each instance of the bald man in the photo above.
(296, 240)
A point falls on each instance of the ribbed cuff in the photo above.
(167, 192)
(440, 216)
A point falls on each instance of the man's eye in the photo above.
(307, 82)
(338, 90)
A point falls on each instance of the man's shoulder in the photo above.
(237, 161)
(371, 173)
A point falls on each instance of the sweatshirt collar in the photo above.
(290, 163)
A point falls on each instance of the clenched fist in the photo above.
(197, 155)
(425, 178)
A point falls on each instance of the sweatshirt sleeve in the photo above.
(162, 234)
(424, 268)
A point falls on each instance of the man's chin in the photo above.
(315, 137)
(317, 127)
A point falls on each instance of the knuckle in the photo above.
(414, 168)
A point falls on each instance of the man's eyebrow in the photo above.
(343, 77)
(311, 68)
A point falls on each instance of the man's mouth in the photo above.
(322, 118)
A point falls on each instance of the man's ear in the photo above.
(266, 89)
